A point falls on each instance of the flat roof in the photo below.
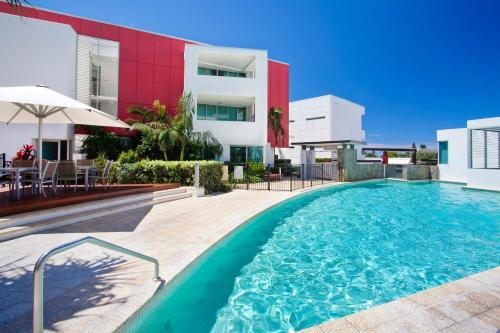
(122, 26)
(388, 149)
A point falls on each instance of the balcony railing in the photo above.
(104, 89)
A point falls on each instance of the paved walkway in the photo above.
(468, 305)
(89, 289)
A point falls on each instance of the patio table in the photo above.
(86, 169)
(16, 171)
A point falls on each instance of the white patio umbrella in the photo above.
(39, 105)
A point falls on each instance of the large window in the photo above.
(220, 72)
(245, 154)
(443, 152)
(221, 112)
(97, 73)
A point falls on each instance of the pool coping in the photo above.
(470, 304)
(172, 282)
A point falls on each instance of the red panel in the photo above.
(90, 28)
(162, 84)
(58, 18)
(177, 53)
(128, 44)
(145, 81)
(122, 111)
(127, 81)
(162, 50)
(145, 47)
(176, 84)
(283, 75)
(110, 32)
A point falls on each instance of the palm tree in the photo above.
(152, 122)
(274, 122)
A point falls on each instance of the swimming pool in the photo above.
(330, 253)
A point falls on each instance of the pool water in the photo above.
(330, 253)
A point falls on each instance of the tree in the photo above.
(422, 146)
(413, 145)
(151, 123)
(181, 130)
(274, 122)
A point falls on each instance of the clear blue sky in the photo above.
(416, 66)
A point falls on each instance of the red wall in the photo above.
(277, 95)
(152, 66)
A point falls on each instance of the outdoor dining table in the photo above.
(16, 171)
(86, 169)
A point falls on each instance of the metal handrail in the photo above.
(40, 264)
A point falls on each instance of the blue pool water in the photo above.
(329, 253)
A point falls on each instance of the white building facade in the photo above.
(323, 122)
(471, 155)
(229, 86)
(48, 57)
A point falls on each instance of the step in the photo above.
(41, 225)
(27, 218)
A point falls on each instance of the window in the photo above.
(245, 154)
(443, 152)
(211, 112)
(202, 111)
(220, 72)
(221, 112)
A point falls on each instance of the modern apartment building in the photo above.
(112, 67)
(471, 155)
(322, 123)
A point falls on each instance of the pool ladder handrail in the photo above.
(40, 264)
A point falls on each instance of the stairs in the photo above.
(24, 224)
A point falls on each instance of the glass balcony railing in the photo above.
(104, 89)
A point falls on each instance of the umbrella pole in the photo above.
(40, 164)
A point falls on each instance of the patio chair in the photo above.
(48, 177)
(67, 173)
(102, 175)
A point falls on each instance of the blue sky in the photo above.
(416, 66)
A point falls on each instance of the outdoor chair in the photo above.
(48, 177)
(67, 173)
(85, 163)
(102, 175)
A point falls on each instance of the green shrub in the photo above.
(282, 161)
(323, 159)
(147, 172)
(129, 156)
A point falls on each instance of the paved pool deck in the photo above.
(468, 305)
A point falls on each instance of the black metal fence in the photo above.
(288, 177)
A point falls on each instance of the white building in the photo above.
(47, 57)
(323, 122)
(233, 108)
(471, 155)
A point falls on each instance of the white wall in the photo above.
(245, 133)
(35, 52)
(486, 178)
(456, 169)
(342, 120)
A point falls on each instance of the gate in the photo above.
(289, 177)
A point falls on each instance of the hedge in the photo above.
(151, 172)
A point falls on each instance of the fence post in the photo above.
(245, 166)
(269, 177)
(311, 170)
(302, 174)
(322, 175)
(291, 175)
